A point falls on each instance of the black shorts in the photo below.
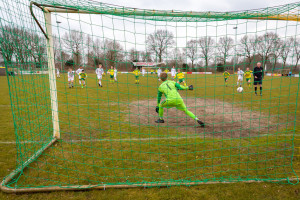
(257, 81)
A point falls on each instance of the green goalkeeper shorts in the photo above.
(248, 79)
(111, 76)
(177, 103)
(181, 80)
(137, 77)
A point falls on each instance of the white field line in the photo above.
(134, 139)
(70, 104)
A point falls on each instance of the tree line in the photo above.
(75, 48)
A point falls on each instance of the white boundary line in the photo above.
(140, 139)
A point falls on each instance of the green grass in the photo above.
(131, 150)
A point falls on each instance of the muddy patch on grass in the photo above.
(222, 119)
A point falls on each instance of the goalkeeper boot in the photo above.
(200, 123)
(159, 121)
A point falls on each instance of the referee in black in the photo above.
(258, 74)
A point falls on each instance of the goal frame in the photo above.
(48, 9)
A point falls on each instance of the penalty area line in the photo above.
(135, 139)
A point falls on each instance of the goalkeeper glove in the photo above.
(157, 109)
(191, 87)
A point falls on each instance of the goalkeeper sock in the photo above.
(161, 112)
(255, 90)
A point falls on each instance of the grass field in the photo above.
(108, 134)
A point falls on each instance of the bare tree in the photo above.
(7, 49)
(159, 41)
(134, 55)
(176, 58)
(267, 45)
(97, 48)
(297, 50)
(37, 46)
(225, 45)
(248, 48)
(191, 50)
(145, 56)
(276, 52)
(74, 43)
(206, 45)
(89, 50)
(56, 48)
(286, 49)
(113, 52)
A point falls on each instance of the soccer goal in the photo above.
(85, 130)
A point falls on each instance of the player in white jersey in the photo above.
(78, 71)
(115, 74)
(158, 73)
(57, 73)
(99, 72)
(71, 75)
(173, 72)
(240, 74)
(143, 71)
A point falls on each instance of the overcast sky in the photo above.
(133, 32)
(199, 5)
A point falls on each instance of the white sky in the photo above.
(133, 32)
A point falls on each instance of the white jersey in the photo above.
(115, 73)
(71, 76)
(57, 71)
(159, 71)
(240, 74)
(99, 71)
(78, 71)
(173, 71)
(143, 71)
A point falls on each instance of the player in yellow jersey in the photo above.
(166, 71)
(111, 72)
(152, 71)
(180, 77)
(82, 77)
(248, 74)
(137, 73)
(226, 75)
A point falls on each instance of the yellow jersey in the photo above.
(180, 75)
(226, 74)
(247, 74)
(166, 71)
(111, 71)
(136, 72)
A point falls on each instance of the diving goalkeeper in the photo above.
(173, 98)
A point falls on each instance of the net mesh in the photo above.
(108, 133)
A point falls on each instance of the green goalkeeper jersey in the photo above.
(169, 88)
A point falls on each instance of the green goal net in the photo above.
(109, 96)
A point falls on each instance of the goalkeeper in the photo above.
(173, 98)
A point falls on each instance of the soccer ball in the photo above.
(240, 89)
